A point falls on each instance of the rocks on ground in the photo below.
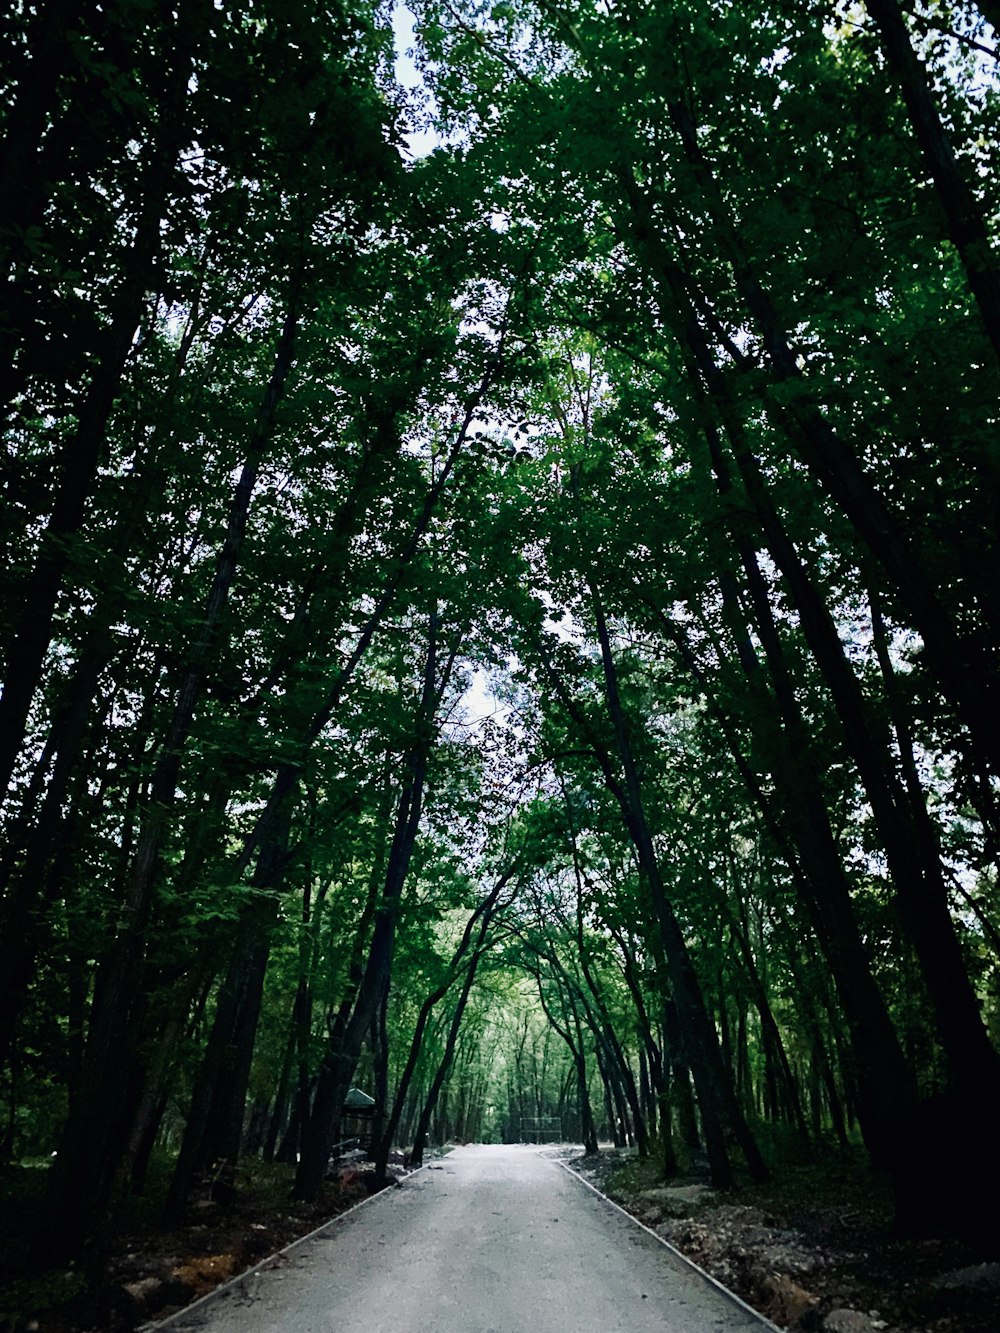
(160, 1274)
(811, 1262)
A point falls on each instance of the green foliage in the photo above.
(560, 388)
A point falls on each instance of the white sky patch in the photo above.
(479, 701)
(420, 142)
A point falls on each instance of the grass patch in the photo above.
(22, 1301)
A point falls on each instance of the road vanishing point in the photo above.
(486, 1240)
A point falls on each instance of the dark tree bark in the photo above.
(423, 1124)
(596, 1009)
(965, 674)
(886, 1099)
(88, 1152)
(798, 821)
(588, 1128)
(378, 1042)
(279, 1118)
(963, 212)
(483, 916)
(714, 1088)
(214, 1128)
(33, 104)
(79, 464)
(342, 1053)
(43, 119)
(681, 1099)
(650, 1055)
(770, 1028)
(75, 728)
(296, 1059)
(616, 1060)
(900, 812)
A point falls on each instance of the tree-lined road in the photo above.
(488, 1240)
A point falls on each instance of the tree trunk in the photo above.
(423, 1124)
(342, 1054)
(770, 1027)
(575, 1046)
(964, 672)
(214, 1129)
(88, 1153)
(73, 732)
(886, 1097)
(484, 915)
(715, 1092)
(82, 455)
(964, 215)
(681, 1098)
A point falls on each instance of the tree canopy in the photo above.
(513, 625)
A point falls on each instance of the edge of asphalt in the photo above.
(738, 1301)
(174, 1320)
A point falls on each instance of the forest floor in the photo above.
(813, 1250)
(153, 1271)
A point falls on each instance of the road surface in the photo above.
(486, 1240)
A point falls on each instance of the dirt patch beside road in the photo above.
(154, 1272)
(813, 1250)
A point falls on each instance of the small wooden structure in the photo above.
(357, 1120)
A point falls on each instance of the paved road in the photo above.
(487, 1240)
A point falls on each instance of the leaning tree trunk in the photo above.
(588, 1128)
(769, 1028)
(341, 1055)
(964, 215)
(24, 865)
(603, 1018)
(483, 915)
(81, 459)
(91, 1146)
(423, 1124)
(964, 671)
(712, 1081)
(824, 886)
